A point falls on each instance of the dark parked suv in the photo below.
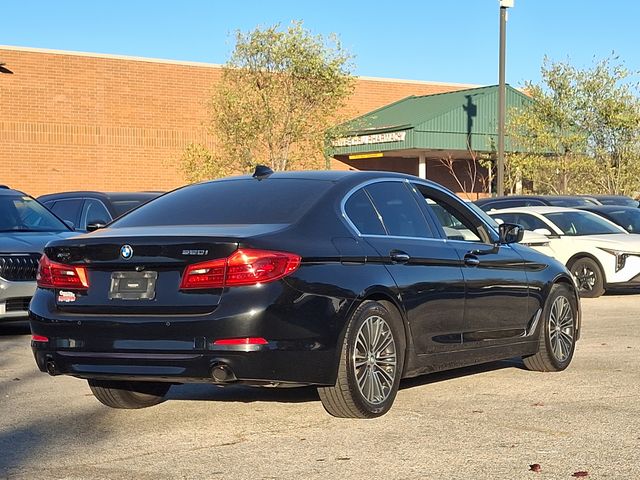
(513, 201)
(25, 228)
(344, 280)
(90, 210)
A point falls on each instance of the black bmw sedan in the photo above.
(345, 280)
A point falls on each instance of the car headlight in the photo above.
(620, 255)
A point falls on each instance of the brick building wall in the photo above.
(86, 121)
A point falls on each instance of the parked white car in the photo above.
(599, 253)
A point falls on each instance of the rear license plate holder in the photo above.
(133, 285)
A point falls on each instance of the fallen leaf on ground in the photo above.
(580, 473)
(535, 467)
(538, 404)
(343, 458)
(477, 411)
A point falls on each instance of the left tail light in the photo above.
(57, 275)
(245, 266)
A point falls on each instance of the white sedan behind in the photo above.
(599, 253)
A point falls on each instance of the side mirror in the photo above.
(95, 225)
(510, 233)
(543, 231)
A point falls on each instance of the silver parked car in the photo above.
(25, 228)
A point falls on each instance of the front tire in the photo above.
(589, 276)
(129, 394)
(557, 333)
(371, 364)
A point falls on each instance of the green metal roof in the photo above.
(446, 121)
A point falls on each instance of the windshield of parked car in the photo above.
(21, 213)
(627, 218)
(238, 201)
(582, 223)
(121, 207)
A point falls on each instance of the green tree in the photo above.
(279, 92)
(582, 131)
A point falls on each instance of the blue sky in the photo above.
(445, 40)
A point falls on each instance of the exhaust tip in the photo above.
(50, 365)
(221, 373)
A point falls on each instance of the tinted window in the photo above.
(400, 212)
(627, 219)
(361, 212)
(622, 201)
(22, 213)
(68, 210)
(581, 223)
(94, 212)
(242, 201)
(571, 202)
(123, 206)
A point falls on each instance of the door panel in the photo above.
(432, 288)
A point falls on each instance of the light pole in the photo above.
(504, 5)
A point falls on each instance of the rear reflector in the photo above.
(39, 338)
(241, 341)
(244, 267)
(57, 275)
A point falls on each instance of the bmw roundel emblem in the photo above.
(126, 252)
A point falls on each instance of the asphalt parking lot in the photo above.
(491, 421)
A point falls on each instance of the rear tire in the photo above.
(371, 364)
(129, 394)
(589, 276)
(557, 332)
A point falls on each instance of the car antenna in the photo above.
(262, 172)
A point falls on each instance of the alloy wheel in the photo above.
(375, 360)
(561, 328)
(586, 278)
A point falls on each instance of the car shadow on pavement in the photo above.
(460, 372)
(248, 394)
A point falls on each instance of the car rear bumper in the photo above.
(301, 340)
(264, 366)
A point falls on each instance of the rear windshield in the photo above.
(243, 201)
(123, 206)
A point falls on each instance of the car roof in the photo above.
(337, 176)
(115, 196)
(608, 208)
(482, 201)
(538, 210)
(4, 190)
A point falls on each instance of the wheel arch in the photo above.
(391, 301)
(590, 256)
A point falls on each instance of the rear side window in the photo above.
(362, 214)
(68, 210)
(242, 201)
(400, 212)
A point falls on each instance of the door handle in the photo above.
(471, 260)
(398, 256)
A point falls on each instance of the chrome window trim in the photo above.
(83, 214)
(407, 182)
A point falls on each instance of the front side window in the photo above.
(23, 214)
(454, 224)
(94, 212)
(400, 213)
